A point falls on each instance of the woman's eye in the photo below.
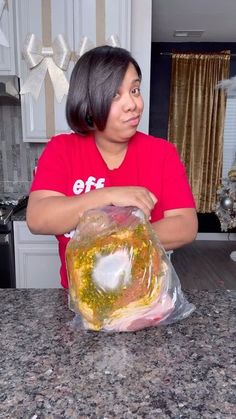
(136, 91)
(116, 97)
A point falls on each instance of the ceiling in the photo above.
(217, 18)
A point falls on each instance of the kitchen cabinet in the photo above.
(36, 259)
(35, 112)
(8, 55)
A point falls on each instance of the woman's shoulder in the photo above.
(153, 143)
(68, 142)
(66, 137)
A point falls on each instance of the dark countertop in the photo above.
(49, 370)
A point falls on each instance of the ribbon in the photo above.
(10, 88)
(113, 41)
(86, 44)
(3, 39)
(40, 59)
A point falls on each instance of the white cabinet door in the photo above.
(38, 267)
(84, 21)
(7, 39)
(30, 19)
(36, 259)
(118, 21)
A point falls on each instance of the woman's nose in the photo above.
(129, 103)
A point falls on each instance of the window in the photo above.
(229, 149)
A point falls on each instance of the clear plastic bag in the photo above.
(120, 277)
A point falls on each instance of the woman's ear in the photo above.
(89, 121)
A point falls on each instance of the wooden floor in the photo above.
(206, 265)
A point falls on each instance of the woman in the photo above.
(105, 161)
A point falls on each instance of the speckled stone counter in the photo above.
(49, 370)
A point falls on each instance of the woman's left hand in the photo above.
(177, 228)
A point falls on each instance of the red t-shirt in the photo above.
(72, 164)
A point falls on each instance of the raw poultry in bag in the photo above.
(120, 278)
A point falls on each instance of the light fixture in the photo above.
(197, 33)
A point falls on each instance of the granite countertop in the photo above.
(50, 370)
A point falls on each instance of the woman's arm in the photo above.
(177, 228)
(51, 212)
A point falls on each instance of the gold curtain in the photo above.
(196, 120)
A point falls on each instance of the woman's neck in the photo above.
(113, 153)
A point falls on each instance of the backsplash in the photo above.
(17, 159)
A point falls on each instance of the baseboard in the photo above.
(216, 236)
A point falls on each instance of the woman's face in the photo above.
(126, 109)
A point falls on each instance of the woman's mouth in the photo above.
(133, 121)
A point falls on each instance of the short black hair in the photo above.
(94, 82)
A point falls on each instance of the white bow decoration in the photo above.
(3, 39)
(55, 60)
(10, 88)
(40, 59)
(86, 44)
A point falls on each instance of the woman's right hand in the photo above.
(136, 196)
